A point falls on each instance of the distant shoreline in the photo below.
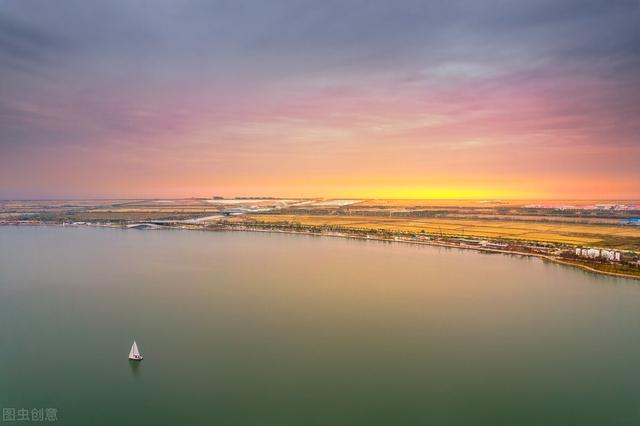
(448, 245)
(374, 238)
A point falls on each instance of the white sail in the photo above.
(134, 353)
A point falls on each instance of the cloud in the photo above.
(220, 79)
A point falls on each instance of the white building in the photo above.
(591, 253)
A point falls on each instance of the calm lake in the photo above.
(272, 329)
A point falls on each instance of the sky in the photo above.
(297, 98)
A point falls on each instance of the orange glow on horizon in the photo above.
(433, 193)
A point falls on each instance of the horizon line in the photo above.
(147, 198)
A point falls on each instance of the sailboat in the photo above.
(134, 353)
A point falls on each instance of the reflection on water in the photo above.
(256, 328)
(135, 368)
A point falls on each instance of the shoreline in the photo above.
(375, 238)
(443, 244)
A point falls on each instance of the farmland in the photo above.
(612, 236)
(569, 222)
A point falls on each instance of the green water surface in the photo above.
(272, 329)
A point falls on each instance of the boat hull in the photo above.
(135, 359)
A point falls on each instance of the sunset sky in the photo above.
(395, 98)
